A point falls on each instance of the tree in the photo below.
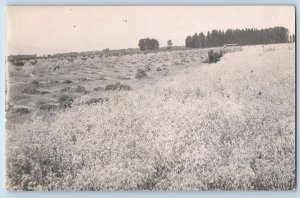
(202, 40)
(170, 43)
(148, 44)
(195, 41)
(294, 38)
(188, 41)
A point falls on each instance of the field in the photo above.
(155, 121)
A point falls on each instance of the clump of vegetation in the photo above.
(65, 101)
(117, 87)
(19, 63)
(124, 78)
(101, 78)
(44, 92)
(177, 63)
(214, 55)
(148, 67)
(48, 107)
(82, 79)
(31, 90)
(96, 100)
(158, 69)
(34, 91)
(22, 110)
(80, 89)
(140, 74)
(67, 81)
(65, 89)
(35, 82)
(99, 89)
(33, 62)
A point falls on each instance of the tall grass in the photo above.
(205, 128)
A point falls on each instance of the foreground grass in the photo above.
(225, 126)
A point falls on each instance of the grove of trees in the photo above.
(240, 36)
(148, 44)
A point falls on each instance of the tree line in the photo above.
(246, 36)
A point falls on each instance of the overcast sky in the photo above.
(48, 30)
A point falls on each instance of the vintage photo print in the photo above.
(151, 98)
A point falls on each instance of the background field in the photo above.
(185, 125)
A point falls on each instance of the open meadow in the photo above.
(153, 121)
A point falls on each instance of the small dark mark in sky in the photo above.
(124, 20)
(74, 26)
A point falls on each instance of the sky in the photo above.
(49, 30)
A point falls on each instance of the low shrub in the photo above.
(80, 89)
(99, 89)
(65, 89)
(22, 110)
(35, 82)
(48, 107)
(214, 55)
(31, 90)
(96, 100)
(118, 87)
(65, 101)
(67, 81)
(140, 74)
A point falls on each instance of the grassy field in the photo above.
(181, 125)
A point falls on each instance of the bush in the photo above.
(48, 107)
(18, 63)
(98, 89)
(65, 89)
(44, 92)
(140, 74)
(118, 87)
(67, 81)
(34, 82)
(214, 55)
(31, 90)
(82, 79)
(80, 89)
(22, 110)
(96, 100)
(65, 101)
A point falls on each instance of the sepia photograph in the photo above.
(150, 98)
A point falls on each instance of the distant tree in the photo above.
(148, 44)
(195, 41)
(294, 38)
(170, 43)
(202, 40)
(208, 39)
(188, 41)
